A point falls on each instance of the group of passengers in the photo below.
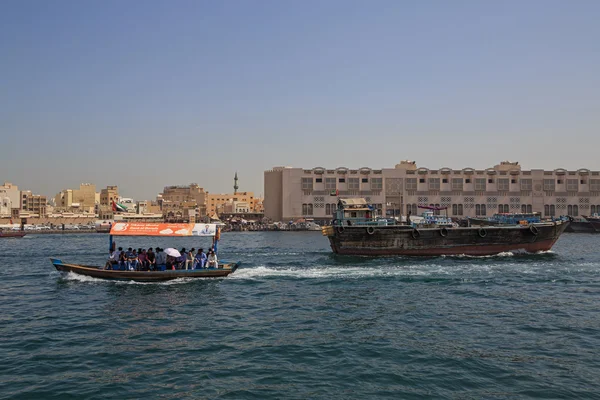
(157, 260)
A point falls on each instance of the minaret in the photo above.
(235, 185)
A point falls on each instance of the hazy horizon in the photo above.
(149, 94)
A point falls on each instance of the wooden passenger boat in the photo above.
(154, 229)
(353, 234)
(145, 276)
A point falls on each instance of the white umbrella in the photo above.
(172, 252)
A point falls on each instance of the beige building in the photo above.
(33, 205)
(10, 198)
(176, 202)
(82, 199)
(296, 192)
(216, 202)
(108, 195)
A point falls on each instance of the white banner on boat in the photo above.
(204, 230)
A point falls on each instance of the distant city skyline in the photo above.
(148, 94)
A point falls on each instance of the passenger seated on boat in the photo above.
(171, 262)
(189, 259)
(200, 259)
(132, 260)
(122, 259)
(151, 259)
(161, 259)
(181, 259)
(143, 260)
(212, 260)
(113, 259)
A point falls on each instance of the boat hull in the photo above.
(477, 241)
(18, 234)
(583, 227)
(144, 276)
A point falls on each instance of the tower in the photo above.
(235, 183)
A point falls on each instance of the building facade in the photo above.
(296, 192)
(216, 203)
(180, 202)
(108, 195)
(33, 204)
(10, 198)
(82, 199)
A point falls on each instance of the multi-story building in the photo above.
(33, 204)
(216, 202)
(82, 199)
(177, 201)
(10, 198)
(108, 195)
(296, 192)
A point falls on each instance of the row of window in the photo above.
(352, 183)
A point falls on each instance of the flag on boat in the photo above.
(118, 207)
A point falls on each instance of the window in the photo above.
(342, 180)
(595, 209)
(457, 209)
(307, 183)
(503, 208)
(572, 185)
(573, 210)
(411, 208)
(549, 210)
(467, 180)
(595, 185)
(421, 180)
(319, 180)
(330, 183)
(434, 183)
(490, 180)
(411, 183)
(330, 209)
(365, 180)
(526, 208)
(513, 181)
(549, 185)
(457, 184)
(526, 184)
(352, 183)
(480, 209)
(307, 209)
(480, 185)
(435, 212)
(559, 181)
(582, 181)
(503, 185)
(444, 180)
(376, 183)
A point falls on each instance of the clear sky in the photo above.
(144, 94)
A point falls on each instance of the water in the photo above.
(298, 322)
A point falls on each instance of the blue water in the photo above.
(297, 322)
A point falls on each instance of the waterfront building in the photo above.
(10, 198)
(291, 193)
(33, 205)
(179, 203)
(77, 200)
(108, 195)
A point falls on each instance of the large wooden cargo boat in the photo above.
(354, 232)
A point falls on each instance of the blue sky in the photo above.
(145, 94)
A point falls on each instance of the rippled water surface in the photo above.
(298, 322)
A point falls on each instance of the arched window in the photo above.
(500, 209)
(523, 208)
(593, 209)
(436, 212)
(506, 209)
(569, 210)
(552, 210)
(529, 209)
(547, 210)
(454, 209)
(575, 210)
(460, 209)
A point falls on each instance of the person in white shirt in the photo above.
(113, 258)
(212, 260)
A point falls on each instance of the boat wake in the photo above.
(71, 276)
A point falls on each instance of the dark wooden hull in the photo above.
(483, 222)
(583, 227)
(144, 276)
(478, 241)
(12, 234)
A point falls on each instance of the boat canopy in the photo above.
(162, 229)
